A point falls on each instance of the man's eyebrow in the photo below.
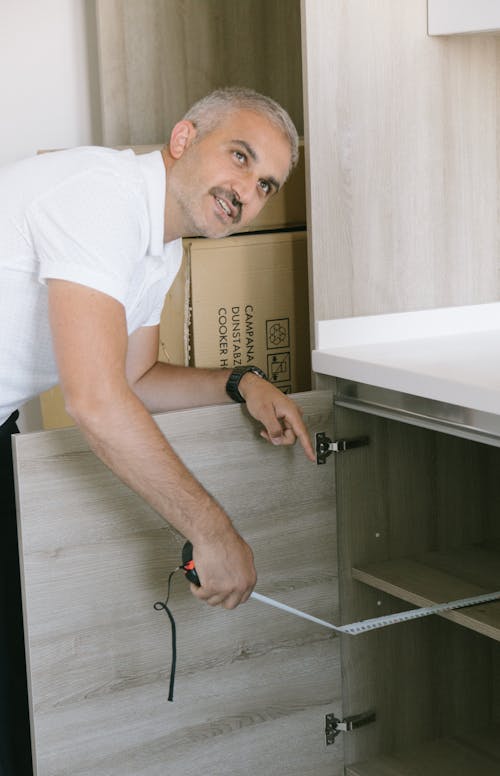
(248, 148)
(251, 152)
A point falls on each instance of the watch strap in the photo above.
(234, 381)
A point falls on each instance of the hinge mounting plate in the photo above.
(325, 446)
(334, 726)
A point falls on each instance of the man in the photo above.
(89, 244)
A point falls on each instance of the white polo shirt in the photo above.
(93, 216)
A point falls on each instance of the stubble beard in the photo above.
(190, 208)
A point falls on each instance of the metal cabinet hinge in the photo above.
(325, 446)
(334, 726)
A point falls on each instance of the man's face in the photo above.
(221, 182)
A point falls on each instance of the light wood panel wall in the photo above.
(402, 142)
(253, 685)
(157, 57)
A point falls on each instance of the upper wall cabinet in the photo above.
(401, 146)
(452, 17)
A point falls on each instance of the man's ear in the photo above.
(181, 138)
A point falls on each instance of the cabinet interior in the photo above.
(418, 524)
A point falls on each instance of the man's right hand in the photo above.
(226, 570)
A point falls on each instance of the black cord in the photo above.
(164, 605)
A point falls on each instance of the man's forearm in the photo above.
(128, 441)
(125, 437)
(170, 387)
(167, 387)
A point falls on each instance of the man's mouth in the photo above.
(224, 206)
(227, 205)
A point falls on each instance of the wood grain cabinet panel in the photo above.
(253, 686)
(401, 137)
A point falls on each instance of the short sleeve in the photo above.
(91, 229)
(171, 264)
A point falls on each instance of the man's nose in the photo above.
(245, 189)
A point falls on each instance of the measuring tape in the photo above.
(354, 628)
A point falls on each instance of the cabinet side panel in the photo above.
(401, 140)
(253, 685)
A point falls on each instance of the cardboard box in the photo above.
(52, 408)
(249, 305)
(174, 323)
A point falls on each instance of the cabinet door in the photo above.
(449, 17)
(253, 685)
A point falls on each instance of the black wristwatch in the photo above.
(234, 381)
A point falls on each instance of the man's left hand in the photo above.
(280, 416)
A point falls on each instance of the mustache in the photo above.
(230, 196)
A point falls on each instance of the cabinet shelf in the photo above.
(477, 752)
(436, 577)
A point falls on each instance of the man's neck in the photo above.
(170, 219)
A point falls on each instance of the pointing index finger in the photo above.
(293, 420)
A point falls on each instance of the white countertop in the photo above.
(448, 354)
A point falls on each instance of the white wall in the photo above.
(48, 88)
(48, 76)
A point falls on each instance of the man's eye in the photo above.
(240, 157)
(265, 186)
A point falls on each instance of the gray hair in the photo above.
(208, 112)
